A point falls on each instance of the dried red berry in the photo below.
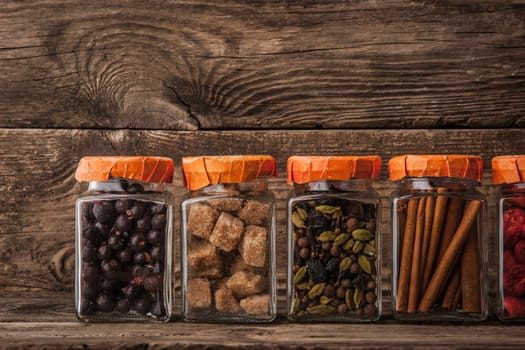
(514, 280)
(515, 307)
(513, 226)
(519, 252)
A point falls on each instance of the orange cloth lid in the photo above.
(436, 165)
(303, 169)
(508, 169)
(203, 171)
(144, 169)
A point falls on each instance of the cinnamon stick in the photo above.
(435, 234)
(453, 217)
(406, 255)
(446, 263)
(413, 293)
(451, 291)
(470, 274)
(401, 215)
(429, 217)
(456, 299)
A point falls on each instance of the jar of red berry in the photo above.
(228, 239)
(123, 239)
(509, 172)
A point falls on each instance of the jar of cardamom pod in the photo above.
(439, 255)
(333, 239)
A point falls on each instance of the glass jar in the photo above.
(228, 239)
(509, 173)
(439, 249)
(333, 222)
(123, 239)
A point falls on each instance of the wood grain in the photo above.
(38, 190)
(276, 336)
(192, 64)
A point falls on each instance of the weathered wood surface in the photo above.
(275, 336)
(38, 190)
(187, 65)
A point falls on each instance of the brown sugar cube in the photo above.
(246, 283)
(198, 294)
(254, 246)
(201, 219)
(226, 302)
(256, 304)
(255, 212)
(238, 264)
(227, 232)
(203, 260)
(226, 204)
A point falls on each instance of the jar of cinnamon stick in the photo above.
(439, 249)
(509, 172)
(333, 239)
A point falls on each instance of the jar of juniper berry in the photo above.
(123, 239)
(509, 173)
(439, 249)
(228, 239)
(333, 239)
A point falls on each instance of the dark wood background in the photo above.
(177, 78)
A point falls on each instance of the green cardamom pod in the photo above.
(341, 239)
(348, 299)
(327, 209)
(299, 275)
(358, 298)
(372, 242)
(345, 264)
(322, 310)
(295, 305)
(316, 291)
(337, 214)
(358, 245)
(324, 300)
(362, 234)
(327, 236)
(365, 264)
(303, 286)
(297, 221)
(302, 213)
(349, 244)
(368, 249)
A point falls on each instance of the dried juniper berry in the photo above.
(157, 254)
(137, 242)
(137, 210)
(157, 209)
(158, 221)
(116, 242)
(90, 273)
(123, 223)
(141, 258)
(111, 268)
(154, 237)
(131, 291)
(122, 205)
(143, 224)
(89, 253)
(135, 188)
(152, 283)
(123, 306)
(125, 255)
(143, 303)
(105, 303)
(104, 252)
(104, 211)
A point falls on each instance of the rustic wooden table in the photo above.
(176, 78)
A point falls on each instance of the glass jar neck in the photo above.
(433, 183)
(123, 186)
(257, 186)
(357, 185)
(515, 188)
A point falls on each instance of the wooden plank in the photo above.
(187, 65)
(38, 190)
(276, 336)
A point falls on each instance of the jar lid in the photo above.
(436, 165)
(203, 171)
(303, 169)
(143, 169)
(508, 169)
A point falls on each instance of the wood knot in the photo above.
(62, 266)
